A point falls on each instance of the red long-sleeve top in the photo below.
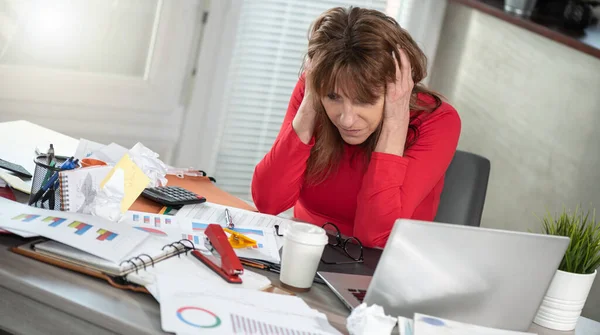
(362, 203)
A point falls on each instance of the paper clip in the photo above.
(238, 240)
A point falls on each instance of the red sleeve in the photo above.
(279, 176)
(393, 186)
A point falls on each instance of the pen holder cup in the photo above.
(43, 172)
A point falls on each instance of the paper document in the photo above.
(429, 325)
(79, 188)
(176, 228)
(266, 246)
(214, 213)
(195, 272)
(16, 182)
(109, 154)
(130, 178)
(210, 309)
(164, 226)
(86, 148)
(97, 236)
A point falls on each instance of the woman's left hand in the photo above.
(396, 113)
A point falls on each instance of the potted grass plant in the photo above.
(562, 305)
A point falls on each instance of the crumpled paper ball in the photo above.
(369, 320)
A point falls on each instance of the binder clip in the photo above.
(221, 258)
(238, 240)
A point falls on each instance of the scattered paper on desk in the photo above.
(97, 236)
(110, 154)
(405, 326)
(235, 311)
(189, 272)
(16, 182)
(365, 320)
(214, 213)
(159, 225)
(86, 148)
(147, 160)
(79, 188)
(21, 233)
(429, 325)
(130, 178)
(266, 247)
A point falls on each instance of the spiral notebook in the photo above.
(78, 188)
(151, 252)
(139, 271)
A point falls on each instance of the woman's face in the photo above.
(355, 120)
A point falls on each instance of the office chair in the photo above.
(465, 187)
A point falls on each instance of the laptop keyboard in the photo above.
(358, 294)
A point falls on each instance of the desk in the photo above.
(38, 298)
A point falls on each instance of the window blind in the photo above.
(270, 43)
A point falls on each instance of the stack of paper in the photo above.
(429, 325)
(189, 308)
(189, 271)
(97, 236)
(185, 227)
(214, 213)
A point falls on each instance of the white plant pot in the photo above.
(564, 300)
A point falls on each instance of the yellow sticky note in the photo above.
(134, 180)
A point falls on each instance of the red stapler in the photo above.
(222, 259)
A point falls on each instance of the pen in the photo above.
(230, 224)
(50, 154)
(68, 165)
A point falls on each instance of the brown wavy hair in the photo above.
(350, 49)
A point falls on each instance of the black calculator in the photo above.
(172, 196)
(15, 168)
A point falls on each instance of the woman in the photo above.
(362, 143)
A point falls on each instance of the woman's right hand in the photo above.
(304, 121)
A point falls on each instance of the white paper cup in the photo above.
(303, 246)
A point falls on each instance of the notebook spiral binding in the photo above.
(63, 192)
(184, 249)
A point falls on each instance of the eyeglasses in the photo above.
(351, 246)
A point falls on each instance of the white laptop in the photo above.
(487, 277)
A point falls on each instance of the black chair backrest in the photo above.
(465, 187)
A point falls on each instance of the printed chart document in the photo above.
(266, 246)
(213, 213)
(164, 226)
(210, 309)
(180, 227)
(95, 235)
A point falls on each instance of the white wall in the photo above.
(108, 72)
(530, 105)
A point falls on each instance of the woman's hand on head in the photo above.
(396, 112)
(304, 121)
